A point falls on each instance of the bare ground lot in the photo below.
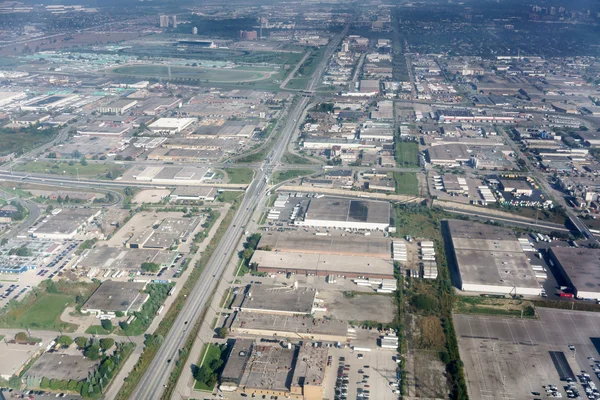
(508, 358)
(151, 196)
(361, 307)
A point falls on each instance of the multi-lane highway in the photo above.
(154, 380)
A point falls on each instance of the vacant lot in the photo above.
(407, 154)
(406, 183)
(72, 169)
(281, 176)
(239, 175)
(224, 75)
(493, 306)
(44, 313)
(151, 196)
(358, 307)
(22, 141)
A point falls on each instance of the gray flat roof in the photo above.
(310, 366)
(117, 296)
(490, 255)
(265, 298)
(332, 264)
(302, 324)
(66, 221)
(342, 245)
(268, 367)
(236, 362)
(124, 258)
(582, 266)
(448, 152)
(347, 210)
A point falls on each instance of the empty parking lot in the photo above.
(511, 358)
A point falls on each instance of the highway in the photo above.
(154, 381)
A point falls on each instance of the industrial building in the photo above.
(111, 296)
(351, 245)
(332, 212)
(579, 268)
(297, 327)
(285, 300)
(489, 259)
(322, 264)
(268, 369)
(124, 259)
(202, 193)
(48, 102)
(65, 223)
(169, 233)
(448, 154)
(118, 107)
(170, 125)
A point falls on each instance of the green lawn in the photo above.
(63, 168)
(97, 330)
(45, 312)
(239, 175)
(228, 196)
(406, 183)
(407, 154)
(210, 352)
(281, 176)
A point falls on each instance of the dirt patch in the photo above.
(151, 196)
(359, 307)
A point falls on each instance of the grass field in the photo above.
(225, 75)
(406, 183)
(289, 158)
(228, 196)
(493, 306)
(281, 176)
(239, 175)
(407, 154)
(96, 330)
(45, 312)
(63, 168)
(17, 142)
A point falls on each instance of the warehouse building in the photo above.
(297, 327)
(110, 297)
(169, 233)
(489, 259)
(285, 300)
(268, 369)
(65, 223)
(201, 193)
(170, 125)
(332, 212)
(579, 267)
(118, 107)
(124, 259)
(274, 262)
(448, 154)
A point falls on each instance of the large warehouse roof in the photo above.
(320, 264)
(580, 265)
(279, 299)
(490, 259)
(347, 213)
(357, 245)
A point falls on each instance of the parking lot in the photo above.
(367, 376)
(509, 358)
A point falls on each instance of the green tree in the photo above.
(106, 343)
(81, 342)
(83, 161)
(119, 314)
(65, 341)
(15, 382)
(21, 337)
(150, 267)
(92, 352)
(45, 383)
(107, 324)
(222, 332)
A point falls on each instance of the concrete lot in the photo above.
(509, 358)
(151, 196)
(381, 370)
(14, 356)
(379, 308)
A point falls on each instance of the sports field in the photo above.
(218, 75)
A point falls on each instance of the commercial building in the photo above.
(285, 300)
(65, 223)
(489, 259)
(268, 369)
(103, 129)
(517, 186)
(118, 107)
(369, 87)
(202, 193)
(331, 212)
(111, 296)
(48, 102)
(170, 125)
(579, 267)
(323, 264)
